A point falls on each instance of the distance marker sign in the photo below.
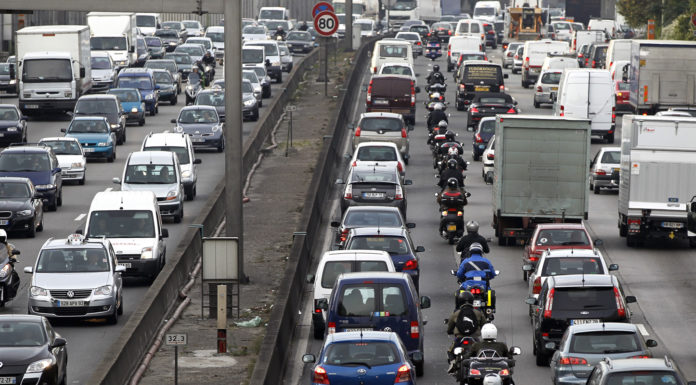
(326, 23)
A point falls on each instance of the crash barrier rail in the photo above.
(124, 356)
(277, 344)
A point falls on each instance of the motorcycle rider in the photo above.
(435, 76)
(466, 321)
(451, 192)
(8, 246)
(472, 236)
(439, 129)
(452, 171)
(437, 115)
(208, 59)
(279, 33)
(303, 26)
(475, 268)
(489, 336)
(195, 76)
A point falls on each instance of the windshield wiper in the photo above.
(357, 363)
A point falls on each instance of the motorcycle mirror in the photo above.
(446, 321)
(515, 350)
(339, 181)
(631, 299)
(421, 249)
(347, 156)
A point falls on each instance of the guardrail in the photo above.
(124, 356)
(276, 345)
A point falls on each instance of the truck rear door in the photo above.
(391, 94)
(600, 101)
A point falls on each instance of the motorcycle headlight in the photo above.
(11, 129)
(149, 96)
(146, 253)
(134, 110)
(5, 270)
(76, 165)
(249, 103)
(13, 81)
(444, 213)
(36, 291)
(186, 174)
(23, 213)
(114, 125)
(45, 186)
(102, 144)
(41, 365)
(103, 290)
(172, 195)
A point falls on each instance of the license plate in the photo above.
(126, 264)
(584, 321)
(672, 225)
(381, 102)
(373, 195)
(197, 140)
(70, 303)
(477, 303)
(88, 149)
(4, 222)
(554, 88)
(481, 88)
(451, 227)
(617, 169)
(8, 380)
(32, 106)
(357, 330)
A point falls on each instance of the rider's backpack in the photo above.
(467, 322)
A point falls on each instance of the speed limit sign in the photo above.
(326, 23)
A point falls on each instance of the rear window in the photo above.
(392, 245)
(584, 298)
(611, 157)
(362, 353)
(608, 342)
(551, 78)
(488, 126)
(335, 268)
(600, 53)
(562, 237)
(393, 51)
(384, 124)
(397, 70)
(363, 300)
(374, 177)
(571, 265)
(392, 86)
(482, 73)
(472, 56)
(357, 218)
(377, 154)
(643, 377)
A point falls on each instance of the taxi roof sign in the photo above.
(76, 239)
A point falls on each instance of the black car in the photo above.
(300, 41)
(8, 78)
(476, 76)
(167, 86)
(215, 98)
(176, 26)
(142, 52)
(374, 186)
(575, 299)
(597, 56)
(39, 164)
(483, 134)
(20, 208)
(490, 104)
(169, 65)
(491, 35)
(250, 105)
(170, 39)
(443, 30)
(13, 125)
(31, 351)
(107, 106)
(155, 47)
(183, 61)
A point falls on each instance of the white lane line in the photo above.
(108, 189)
(79, 217)
(642, 330)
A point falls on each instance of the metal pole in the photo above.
(234, 167)
(349, 25)
(326, 66)
(176, 365)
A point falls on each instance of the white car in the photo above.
(399, 68)
(488, 161)
(285, 56)
(71, 157)
(217, 35)
(251, 76)
(193, 27)
(181, 145)
(367, 27)
(104, 71)
(254, 32)
(546, 86)
(517, 60)
(206, 42)
(602, 167)
(378, 153)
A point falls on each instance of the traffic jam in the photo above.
(544, 143)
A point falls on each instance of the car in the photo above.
(509, 54)
(76, 278)
(300, 42)
(104, 71)
(491, 36)
(8, 78)
(583, 346)
(499, 27)
(181, 145)
(13, 125)
(478, 76)
(95, 136)
(415, 39)
(218, 84)
(632, 371)
(177, 26)
(285, 56)
(488, 158)
(265, 81)
(546, 87)
(169, 65)
(141, 51)
(517, 60)
(206, 42)
(559, 62)
(379, 354)
(217, 35)
(584, 55)
(159, 172)
(184, 64)
(562, 30)
(552, 236)
(193, 27)
(334, 263)
(368, 216)
(196, 51)
(32, 351)
(378, 153)
(443, 30)
(107, 106)
(71, 157)
(605, 168)
(272, 53)
(597, 55)
(254, 32)
(38, 163)
(170, 38)
(132, 103)
(250, 75)
(374, 185)
(399, 68)
(20, 209)
(216, 98)
(144, 80)
(484, 132)
(155, 47)
(383, 127)
(490, 104)
(203, 124)
(422, 29)
(573, 300)
(622, 93)
(166, 86)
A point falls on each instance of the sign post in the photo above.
(176, 339)
(326, 24)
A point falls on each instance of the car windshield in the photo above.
(145, 21)
(5, 69)
(271, 14)
(21, 333)
(613, 157)
(384, 124)
(104, 43)
(574, 298)
(197, 116)
(180, 152)
(605, 342)
(484, 11)
(643, 377)
(163, 77)
(88, 126)
(217, 37)
(487, 126)
(572, 265)
(409, 36)
(254, 30)
(299, 36)
(269, 49)
(394, 245)
(393, 51)
(361, 353)
(63, 147)
(204, 42)
(153, 42)
(273, 25)
(121, 224)
(127, 96)
(14, 190)
(372, 218)
(24, 162)
(551, 78)
(472, 56)
(94, 107)
(377, 154)
(101, 63)
(179, 58)
(8, 113)
(562, 26)
(250, 76)
(150, 174)
(191, 24)
(73, 260)
(139, 82)
(623, 86)
(600, 53)
(260, 72)
(562, 237)
(333, 269)
(192, 50)
(166, 33)
(213, 98)
(376, 176)
(397, 70)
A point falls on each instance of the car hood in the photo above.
(192, 128)
(128, 105)
(8, 123)
(66, 161)
(14, 204)
(71, 281)
(36, 177)
(102, 74)
(131, 245)
(22, 355)
(160, 190)
(93, 137)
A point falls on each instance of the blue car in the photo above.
(39, 164)
(94, 135)
(144, 80)
(369, 357)
(132, 103)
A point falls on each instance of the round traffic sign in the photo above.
(321, 7)
(326, 23)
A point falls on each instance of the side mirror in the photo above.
(157, 86)
(323, 304)
(527, 267)
(309, 358)
(410, 225)
(550, 345)
(651, 343)
(505, 76)
(424, 302)
(82, 72)
(408, 182)
(613, 267)
(57, 170)
(467, 194)
(364, 88)
(58, 342)
(28, 269)
(340, 181)
(598, 242)
(197, 161)
(417, 357)
(165, 233)
(15, 252)
(173, 121)
(631, 299)
(310, 278)
(335, 224)
(347, 156)
(116, 180)
(420, 249)
(530, 301)
(515, 350)
(120, 269)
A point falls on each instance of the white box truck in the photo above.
(540, 173)
(658, 164)
(402, 10)
(115, 33)
(662, 75)
(54, 67)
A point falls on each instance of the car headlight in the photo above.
(172, 195)
(149, 97)
(189, 88)
(11, 129)
(41, 365)
(103, 290)
(23, 213)
(217, 128)
(76, 165)
(102, 144)
(114, 125)
(186, 174)
(179, 129)
(257, 93)
(249, 103)
(13, 81)
(36, 291)
(45, 186)
(5, 270)
(146, 253)
(134, 110)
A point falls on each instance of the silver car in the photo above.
(604, 169)
(509, 54)
(415, 40)
(250, 75)
(383, 127)
(517, 60)
(76, 278)
(546, 86)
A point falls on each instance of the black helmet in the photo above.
(465, 297)
(450, 136)
(476, 248)
(452, 182)
(452, 163)
(436, 68)
(472, 227)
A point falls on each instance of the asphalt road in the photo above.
(659, 275)
(88, 340)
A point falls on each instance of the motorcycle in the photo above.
(437, 87)
(9, 279)
(208, 74)
(484, 296)
(192, 89)
(452, 215)
(472, 371)
(433, 50)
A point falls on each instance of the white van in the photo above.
(391, 50)
(459, 44)
(487, 10)
(581, 38)
(131, 221)
(148, 23)
(471, 27)
(587, 93)
(272, 52)
(180, 144)
(274, 13)
(619, 49)
(534, 54)
(334, 263)
(253, 56)
(559, 63)
(608, 25)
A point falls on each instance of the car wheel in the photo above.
(174, 100)
(152, 112)
(524, 276)
(623, 231)
(59, 198)
(221, 147)
(631, 241)
(502, 241)
(255, 117)
(610, 138)
(112, 319)
(141, 122)
(124, 135)
(120, 307)
(524, 84)
(177, 217)
(112, 157)
(420, 369)
(596, 189)
(31, 233)
(81, 182)
(541, 358)
(260, 103)
(318, 331)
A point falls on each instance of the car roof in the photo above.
(98, 97)
(582, 280)
(608, 326)
(350, 255)
(571, 253)
(361, 169)
(14, 179)
(28, 148)
(564, 226)
(373, 208)
(165, 139)
(605, 149)
(389, 115)
(198, 107)
(364, 335)
(99, 54)
(120, 200)
(371, 275)
(151, 157)
(94, 117)
(378, 144)
(377, 231)
(21, 317)
(136, 71)
(62, 243)
(59, 139)
(642, 364)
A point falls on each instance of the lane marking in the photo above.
(80, 217)
(642, 330)
(108, 189)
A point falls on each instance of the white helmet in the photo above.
(489, 332)
(438, 106)
(492, 379)
(3, 236)
(435, 95)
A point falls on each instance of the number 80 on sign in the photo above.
(326, 23)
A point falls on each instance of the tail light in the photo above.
(587, 61)
(580, 55)
(594, 64)
(553, 36)
(483, 37)
(502, 86)
(476, 290)
(344, 235)
(534, 257)
(640, 357)
(474, 110)
(317, 309)
(540, 89)
(634, 223)
(374, 70)
(478, 138)
(462, 87)
(399, 167)
(449, 47)
(415, 332)
(411, 264)
(403, 374)
(562, 110)
(504, 372)
(320, 376)
(491, 32)
(355, 163)
(536, 287)
(399, 193)
(511, 111)
(369, 93)
(620, 309)
(517, 56)
(575, 43)
(613, 114)
(349, 192)
(332, 327)
(449, 33)
(619, 94)
(509, 54)
(413, 95)
(572, 361)
(600, 172)
(549, 304)
(474, 372)
(357, 131)
(490, 156)
(404, 134)
(610, 64)
(418, 43)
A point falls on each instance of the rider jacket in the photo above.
(435, 117)
(451, 195)
(468, 240)
(500, 348)
(435, 78)
(210, 60)
(451, 173)
(452, 323)
(475, 266)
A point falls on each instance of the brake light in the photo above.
(369, 93)
(474, 110)
(580, 55)
(404, 134)
(600, 172)
(418, 43)
(475, 290)
(562, 110)
(504, 372)
(349, 192)
(332, 327)
(355, 163)
(357, 131)
(317, 309)
(534, 257)
(411, 264)
(594, 64)
(511, 111)
(320, 376)
(517, 56)
(540, 89)
(413, 95)
(478, 138)
(572, 361)
(474, 372)
(403, 374)
(549, 304)
(640, 357)
(399, 195)
(536, 287)
(490, 156)
(344, 235)
(491, 33)
(611, 63)
(613, 114)
(415, 332)
(620, 309)
(374, 70)
(399, 167)
(462, 87)
(509, 54)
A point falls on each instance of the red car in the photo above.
(555, 236)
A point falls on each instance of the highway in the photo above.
(88, 340)
(659, 275)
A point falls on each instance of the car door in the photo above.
(59, 353)
(601, 100)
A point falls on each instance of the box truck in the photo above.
(115, 33)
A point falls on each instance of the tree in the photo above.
(638, 12)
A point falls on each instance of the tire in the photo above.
(502, 241)
(623, 231)
(177, 217)
(596, 190)
(141, 122)
(420, 369)
(450, 240)
(524, 276)
(631, 241)
(591, 186)
(692, 242)
(317, 331)
(255, 117)
(541, 358)
(112, 157)
(525, 84)
(120, 307)
(537, 105)
(174, 101)
(31, 233)
(113, 318)
(59, 198)
(609, 138)
(152, 112)
(40, 227)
